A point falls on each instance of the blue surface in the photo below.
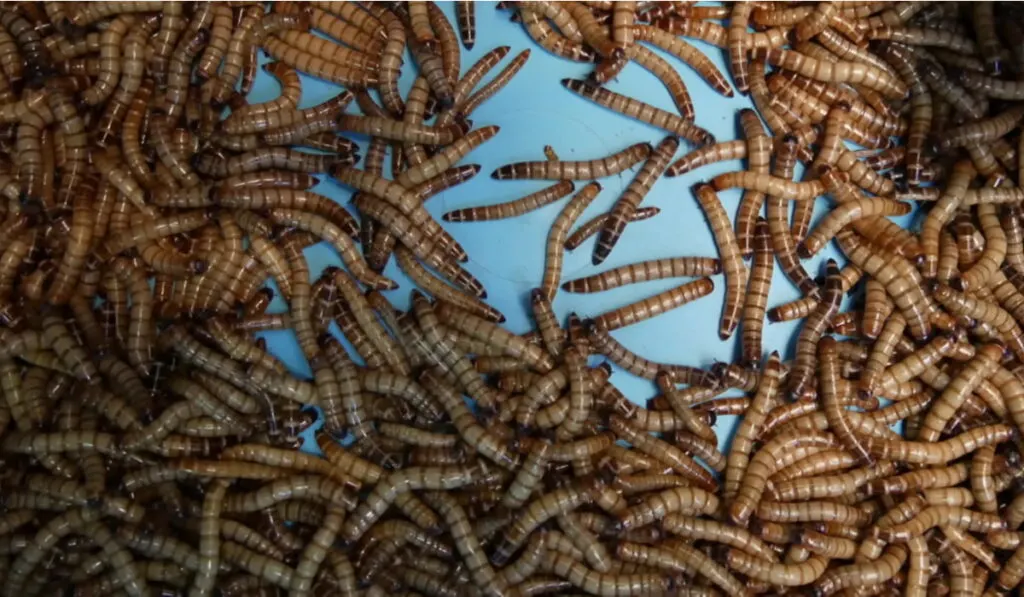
(534, 110)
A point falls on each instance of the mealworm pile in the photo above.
(150, 441)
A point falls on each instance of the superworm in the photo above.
(595, 224)
(660, 68)
(125, 401)
(547, 37)
(604, 344)
(737, 41)
(511, 344)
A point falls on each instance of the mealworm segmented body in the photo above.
(631, 198)
(643, 112)
(584, 170)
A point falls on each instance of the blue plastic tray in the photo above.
(534, 110)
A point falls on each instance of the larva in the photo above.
(654, 305)
(547, 37)
(645, 271)
(737, 41)
(595, 224)
(631, 198)
(640, 111)
(729, 255)
(583, 170)
(755, 303)
(559, 231)
(604, 344)
(750, 427)
(500, 80)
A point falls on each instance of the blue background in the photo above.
(534, 110)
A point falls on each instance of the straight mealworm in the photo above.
(644, 271)
(729, 255)
(553, 255)
(640, 111)
(513, 208)
(581, 170)
(653, 306)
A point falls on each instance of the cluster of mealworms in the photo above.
(150, 443)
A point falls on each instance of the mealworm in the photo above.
(631, 198)
(750, 427)
(485, 442)
(644, 271)
(962, 384)
(558, 233)
(551, 40)
(729, 255)
(595, 224)
(604, 344)
(679, 557)
(755, 303)
(430, 283)
(492, 334)
(513, 208)
(797, 574)
(663, 451)
(687, 53)
(641, 111)
(654, 305)
(843, 215)
(905, 292)
(685, 500)
(588, 170)
(983, 311)
(737, 41)
(496, 84)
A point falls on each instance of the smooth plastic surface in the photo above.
(508, 255)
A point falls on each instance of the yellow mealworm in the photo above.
(654, 305)
(559, 232)
(668, 454)
(583, 170)
(640, 111)
(756, 301)
(679, 557)
(835, 72)
(732, 262)
(644, 271)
